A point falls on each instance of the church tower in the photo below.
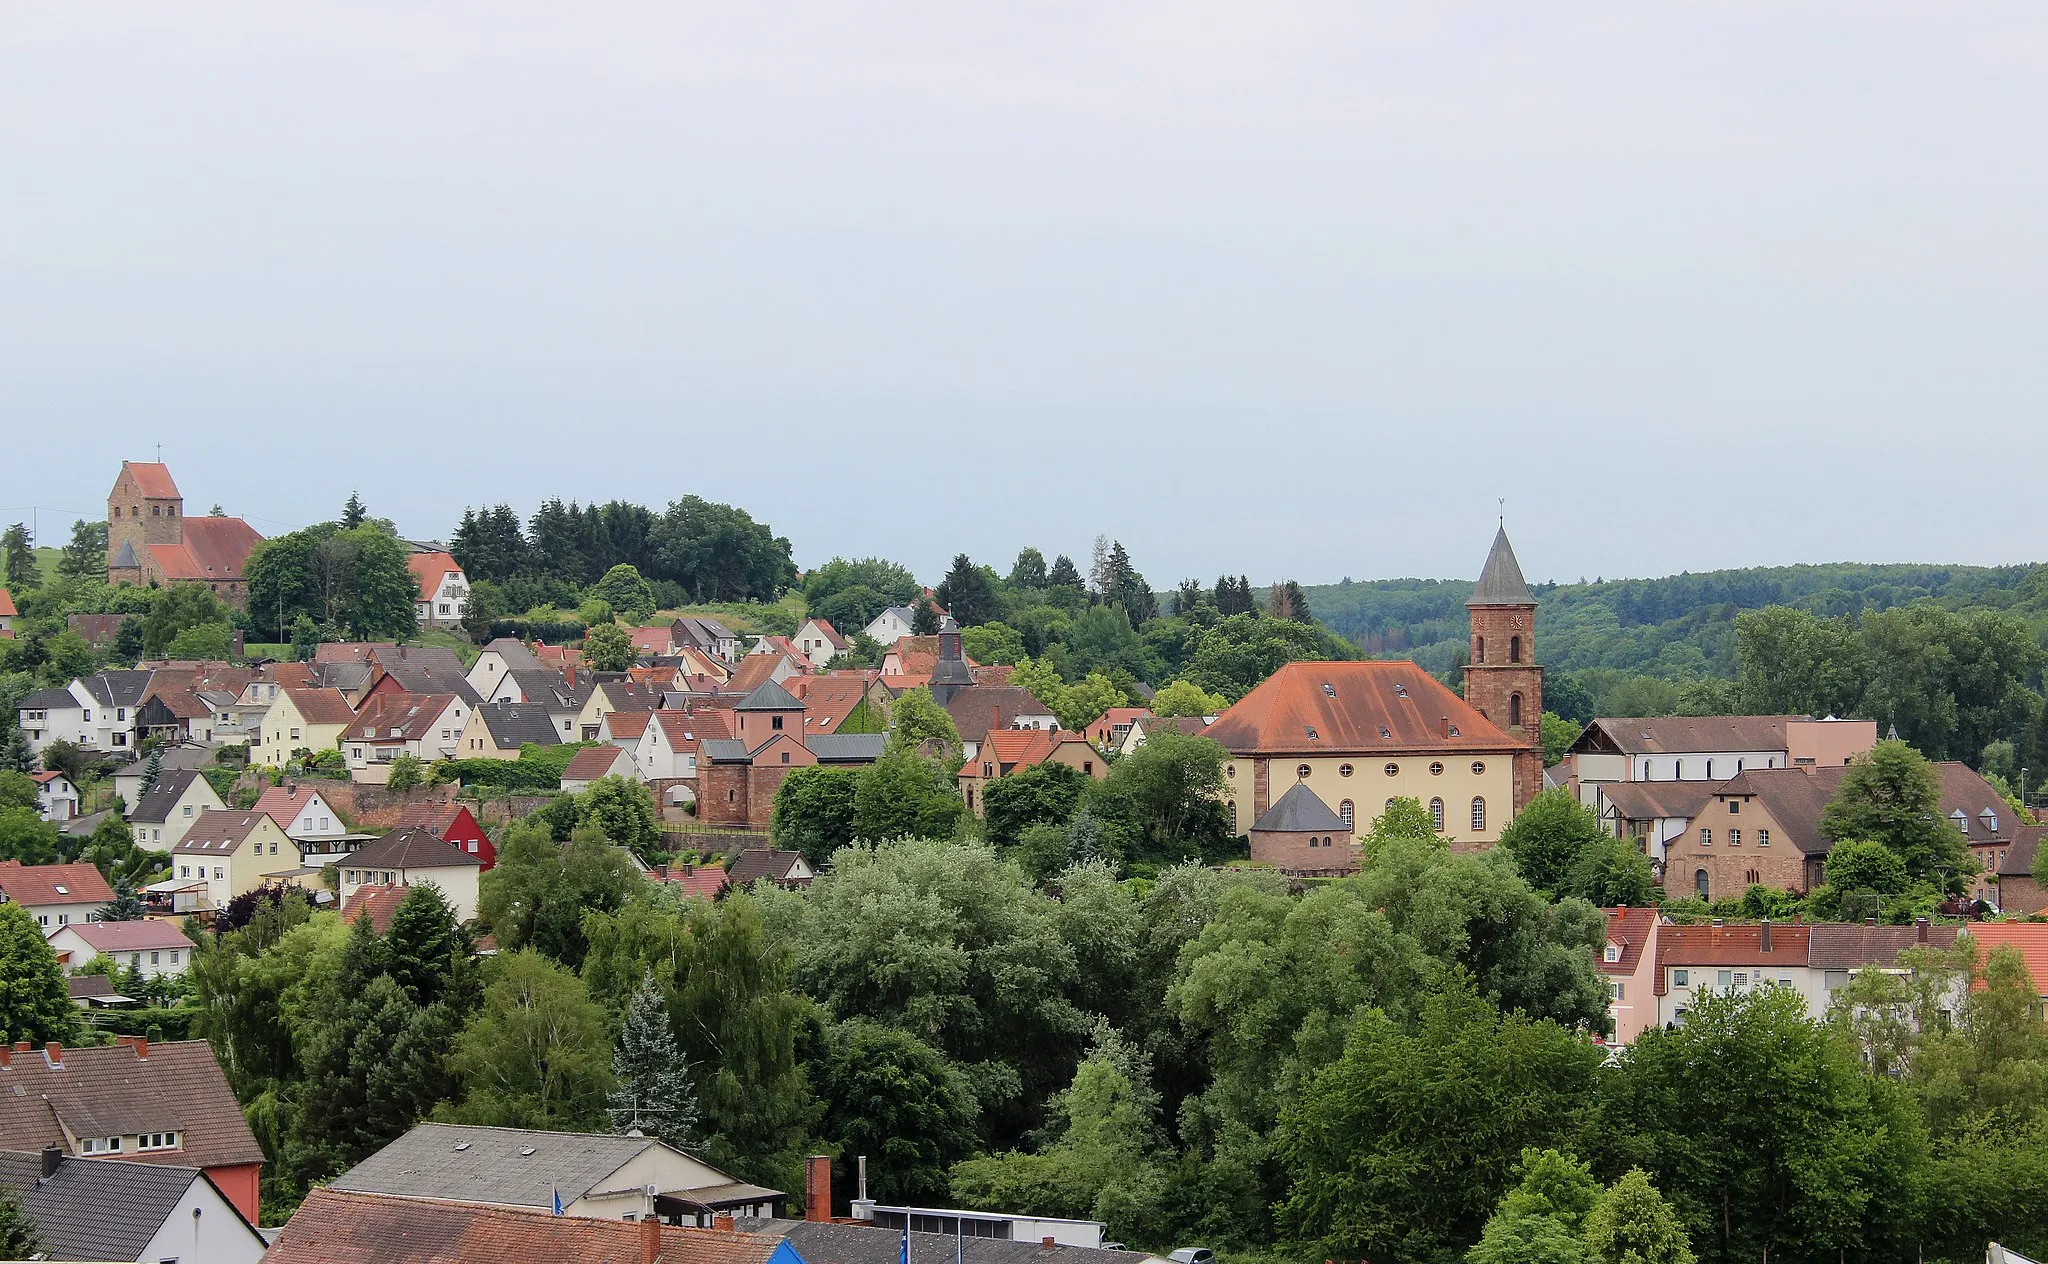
(1502, 681)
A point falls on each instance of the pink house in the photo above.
(1628, 965)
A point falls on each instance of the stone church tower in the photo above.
(144, 508)
(1502, 681)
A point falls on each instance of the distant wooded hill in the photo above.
(1679, 627)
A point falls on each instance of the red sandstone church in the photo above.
(151, 541)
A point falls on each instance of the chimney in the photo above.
(6, 1057)
(1444, 727)
(569, 673)
(1920, 930)
(54, 1051)
(650, 1239)
(1870, 921)
(1764, 929)
(688, 869)
(722, 1222)
(1047, 1243)
(52, 1156)
(22, 1046)
(818, 1189)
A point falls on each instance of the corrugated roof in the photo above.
(847, 748)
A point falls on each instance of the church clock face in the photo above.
(1518, 621)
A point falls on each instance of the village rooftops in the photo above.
(219, 831)
(155, 805)
(512, 724)
(126, 1090)
(139, 936)
(1858, 945)
(1685, 734)
(99, 1209)
(79, 883)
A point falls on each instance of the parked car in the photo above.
(1193, 1255)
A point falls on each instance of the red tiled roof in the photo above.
(830, 633)
(137, 936)
(213, 549)
(1628, 929)
(349, 651)
(685, 729)
(828, 700)
(152, 479)
(1326, 708)
(321, 706)
(2031, 938)
(627, 723)
(1853, 946)
(412, 715)
(705, 881)
(342, 1227)
(436, 818)
(284, 803)
(7, 610)
(380, 902)
(37, 884)
(1730, 946)
(556, 656)
(430, 569)
(291, 675)
(659, 677)
(593, 762)
(110, 1090)
(754, 671)
(649, 640)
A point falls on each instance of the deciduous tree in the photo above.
(1547, 837)
(34, 1002)
(1891, 795)
(536, 1053)
(814, 811)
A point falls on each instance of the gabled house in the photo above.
(411, 856)
(819, 642)
(496, 730)
(306, 818)
(442, 589)
(129, 777)
(165, 547)
(705, 635)
(767, 864)
(595, 763)
(1145, 725)
(2018, 890)
(624, 729)
(981, 709)
(426, 726)
(1108, 730)
(302, 719)
(8, 614)
(1721, 957)
(176, 715)
(106, 714)
(756, 670)
(608, 696)
(671, 746)
(163, 814)
(1628, 965)
(454, 824)
(56, 797)
(655, 642)
(233, 852)
(564, 695)
(1005, 751)
(118, 1209)
(605, 1177)
(700, 882)
(842, 701)
(155, 947)
(891, 626)
(500, 656)
(1648, 813)
(140, 1100)
(55, 895)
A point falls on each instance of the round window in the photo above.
(1344, 770)
(1393, 770)
(1301, 770)
(1436, 770)
(1478, 768)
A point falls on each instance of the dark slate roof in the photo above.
(515, 653)
(154, 807)
(125, 559)
(725, 751)
(491, 1168)
(762, 862)
(513, 723)
(96, 1209)
(1501, 582)
(2019, 858)
(847, 748)
(862, 1244)
(769, 697)
(50, 700)
(108, 1090)
(1300, 811)
(118, 688)
(411, 847)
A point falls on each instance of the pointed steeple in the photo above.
(1501, 582)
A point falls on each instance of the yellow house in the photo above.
(235, 852)
(303, 719)
(411, 856)
(496, 730)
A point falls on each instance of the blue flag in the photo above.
(906, 1240)
(558, 1200)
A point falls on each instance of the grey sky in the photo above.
(1289, 289)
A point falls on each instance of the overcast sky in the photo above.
(1288, 289)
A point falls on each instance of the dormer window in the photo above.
(1961, 821)
(1400, 690)
(1329, 690)
(1612, 955)
(1990, 820)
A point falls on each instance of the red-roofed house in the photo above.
(1112, 726)
(595, 763)
(2029, 938)
(820, 642)
(426, 726)
(1005, 751)
(1628, 963)
(454, 824)
(7, 615)
(704, 882)
(303, 719)
(151, 541)
(624, 729)
(670, 744)
(156, 947)
(380, 902)
(443, 589)
(55, 895)
(1692, 960)
(656, 642)
(56, 797)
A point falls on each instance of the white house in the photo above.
(595, 763)
(156, 947)
(306, 818)
(443, 589)
(106, 1208)
(890, 626)
(426, 726)
(163, 814)
(1710, 748)
(819, 641)
(55, 895)
(95, 712)
(499, 657)
(670, 744)
(56, 797)
(411, 856)
(184, 756)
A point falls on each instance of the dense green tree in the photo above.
(178, 607)
(1242, 650)
(993, 642)
(426, 945)
(625, 590)
(919, 724)
(1163, 801)
(1044, 794)
(1950, 682)
(1367, 1131)
(623, 810)
(406, 772)
(20, 1237)
(814, 811)
(353, 514)
(1632, 1224)
(1892, 795)
(25, 836)
(968, 593)
(892, 1097)
(1610, 873)
(537, 894)
(85, 555)
(1791, 663)
(904, 795)
(1184, 697)
(34, 1003)
(1063, 573)
(536, 1053)
(891, 583)
(16, 755)
(1541, 1217)
(126, 906)
(204, 641)
(607, 647)
(1547, 837)
(653, 1095)
(18, 558)
(17, 790)
(850, 609)
(1029, 570)
(1802, 1156)
(1558, 736)
(1857, 864)
(924, 617)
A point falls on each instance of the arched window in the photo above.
(1514, 649)
(1514, 710)
(1346, 814)
(1699, 883)
(156, 511)
(1479, 649)
(1478, 814)
(1436, 814)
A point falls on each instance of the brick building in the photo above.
(737, 778)
(151, 541)
(1502, 681)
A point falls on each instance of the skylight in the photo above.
(1400, 691)
(1329, 690)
